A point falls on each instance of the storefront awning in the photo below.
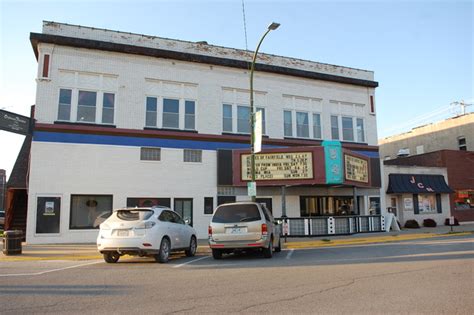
(417, 184)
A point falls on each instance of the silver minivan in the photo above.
(243, 226)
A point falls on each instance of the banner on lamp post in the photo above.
(258, 132)
(251, 189)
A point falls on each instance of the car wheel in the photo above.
(278, 248)
(164, 253)
(111, 257)
(268, 252)
(216, 253)
(191, 251)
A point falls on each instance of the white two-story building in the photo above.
(129, 120)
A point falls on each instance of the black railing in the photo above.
(336, 225)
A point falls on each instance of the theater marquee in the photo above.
(278, 166)
(356, 169)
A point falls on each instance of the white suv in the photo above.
(154, 231)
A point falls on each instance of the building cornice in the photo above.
(36, 38)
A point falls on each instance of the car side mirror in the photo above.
(187, 221)
(278, 222)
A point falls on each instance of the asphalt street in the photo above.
(431, 276)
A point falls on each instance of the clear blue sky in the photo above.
(421, 51)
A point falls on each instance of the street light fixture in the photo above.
(271, 27)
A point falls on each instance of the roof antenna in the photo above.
(245, 25)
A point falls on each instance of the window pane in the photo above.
(150, 154)
(317, 126)
(64, 112)
(360, 130)
(65, 96)
(227, 117)
(243, 119)
(334, 128)
(189, 117)
(86, 113)
(288, 128)
(108, 115)
(108, 108)
(302, 125)
(347, 129)
(189, 107)
(170, 106)
(192, 156)
(88, 212)
(87, 98)
(151, 104)
(170, 113)
(109, 100)
(86, 106)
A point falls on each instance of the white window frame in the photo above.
(99, 105)
(235, 119)
(181, 112)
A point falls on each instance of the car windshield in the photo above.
(236, 213)
(134, 215)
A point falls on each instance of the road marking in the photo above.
(48, 271)
(290, 252)
(190, 262)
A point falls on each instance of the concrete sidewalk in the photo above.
(89, 251)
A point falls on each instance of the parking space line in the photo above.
(290, 252)
(48, 271)
(190, 262)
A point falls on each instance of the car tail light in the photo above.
(145, 225)
(209, 230)
(264, 229)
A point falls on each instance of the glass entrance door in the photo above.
(184, 207)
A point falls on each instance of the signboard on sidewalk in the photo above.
(15, 123)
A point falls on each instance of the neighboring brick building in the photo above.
(460, 174)
(125, 119)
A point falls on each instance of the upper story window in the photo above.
(90, 108)
(301, 117)
(349, 133)
(462, 144)
(240, 124)
(302, 122)
(89, 99)
(170, 104)
(173, 114)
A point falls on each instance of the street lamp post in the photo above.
(271, 27)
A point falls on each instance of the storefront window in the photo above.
(328, 206)
(426, 203)
(89, 211)
(464, 199)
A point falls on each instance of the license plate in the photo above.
(236, 230)
(122, 232)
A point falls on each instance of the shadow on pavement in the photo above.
(73, 290)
